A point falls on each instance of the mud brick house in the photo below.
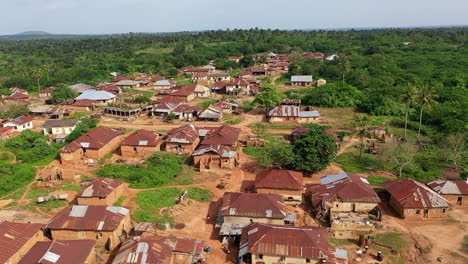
(281, 66)
(187, 93)
(110, 89)
(93, 145)
(347, 201)
(241, 209)
(211, 113)
(128, 84)
(6, 133)
(291, 114)
(107, 225)
(187, 112)
(59, 127)
(81, 87)
(304, 80)
(47, 92)
(455, 192)
(219, 87)
(266, 243)
(170, 250)
(415, 201)
(163, 84)
(283, 182)
(16, 239)
(226, 107)
(141, 143)
(182, 140)
(314, 55)
(238, 86)
(18, 97)
(62, 252)
(219, 77)
(20, 123)
(81, 105)
(199, 76)
(101, 191)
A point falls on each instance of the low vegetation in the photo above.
(350, 162)
(120, 201)
(158, 170)
(200, 194)
(151, 202)
(207, 103)
(377, 180)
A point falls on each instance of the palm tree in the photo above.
(408, 97)
(37, 73)
(362, 126)
(425, 97)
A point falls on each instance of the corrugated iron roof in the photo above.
(274, 240)
(223, 135)
(13, 236)
(89, 217)
(95, 95)
(256, 205)
(59, 252)
(279, 179)
(301, 78)
(223, 151)
(413, 194)
(100, 187)
(458, 187)
(94, 139)
(135, 138)
(20, 120)
(61, 123)
(185, 134)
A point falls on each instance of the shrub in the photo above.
(151, 202)
(14, 177)
(32, 147)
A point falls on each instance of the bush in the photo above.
(32, 147)
(14, 177)
(200, 194)
(207, 103)
(350, 162)
(377, 180)
(151, 202)
(86, 125)
(158, 170)
(333, 95)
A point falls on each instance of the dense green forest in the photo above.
(373, 73)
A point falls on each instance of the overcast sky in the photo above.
(118, 16)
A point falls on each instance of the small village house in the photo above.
(81, 87)
(190, 70)
(16, 239)
(107, 225)
(415, 201)
(219, 87)
(238, 87)
(80, 105)
(202, 91)
(187, 112)
(187, 93)
(292, 114)
(113, 89)
(163, 84)
(20, 123)
(281, 66)
(234, 59)
(102, 97)
(241, 209)
(93, 145)
(182, 140)
(226, 107)
(303, 80)
(141, 143)
(120, 78)
(128, 84)
(283, 182)
(199, 76)
(17, 97)
(101, 191)
(314, 55)
(6, 133)
(347, 201)
(220, 77)
(61, 252)
(455, 192)
(170, 250)
(60, 128)
(47, 92)
(211, 113)
(267, 243)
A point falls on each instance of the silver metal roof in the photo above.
(78, 211)
(95, 95)
(309, 114)
(301, 78)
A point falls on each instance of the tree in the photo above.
(246, 61)
(362, 125)
(315, 150)
(259, 129)
(408, 97)
(454, 148)
(82, 128)
(63, 93)
(37, 74)
(276, 153)
(399, 155)
(425, 97)
(344, 65)
(268, 97)
(14, 110)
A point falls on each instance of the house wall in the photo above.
(276, 260)
(138, 151)
(246, 220)
(211, 160)
(411, 214)
(296, 195)
(17, 127)
(43, 95)
(453, 198)
(59, 130)
(101, 237)
(338, 206)
(77, 156)
(301, 83)
(71, 158)
(186, 148)
(15, 258)
(304, 120)
(181, 258)
(109, 200)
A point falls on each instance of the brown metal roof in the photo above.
(20, 120)
(274, 240)
(458, 187)
(257, 205)
(88, 218)
(279, 179)
(59, 252)
(223, 135)
(170, 99)
(94, 139)
(13, 236)
(156, 250)
(187, 134)
(142, 138)
(60, 123)
(100, 187)
(413, 194)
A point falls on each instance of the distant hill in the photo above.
(33, 33)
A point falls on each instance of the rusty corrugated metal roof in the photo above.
(13, 236)
(256, 205)
(279, 179)
(94, 139)
(223, 135)
(100, 187)
(59, 252)
(458, 187)
(142, 138)
(413, 194)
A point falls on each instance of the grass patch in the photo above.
(14, 177)
(335, 242)
(106, 157)
(120, 200)
(276, 126)
(15, 195)
(377, 180)
(234, 121)
(151, 202)
(253, 151)
(207, 103)
(200, 194)
(351, 162)
(393, 240)
(66, 185)
(15, 203)
(185, 177)
(51, 204)
(79, 115)
(184, 82)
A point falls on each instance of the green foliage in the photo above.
(86, 125)
(33, 148)
(151, 202)
(63, 93)
(200, 194)
(333, 95)
(234, 121)
(268, 97)
(253, 151)
(51, 204)
(120, 201)
(350, 162)
(207, 103)
(14, 177)
(336, 242)
(141, 99)
(14, 110)
(79, 115)
(393, 240)
(377, 180)
(158, 170)
(315, 150)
